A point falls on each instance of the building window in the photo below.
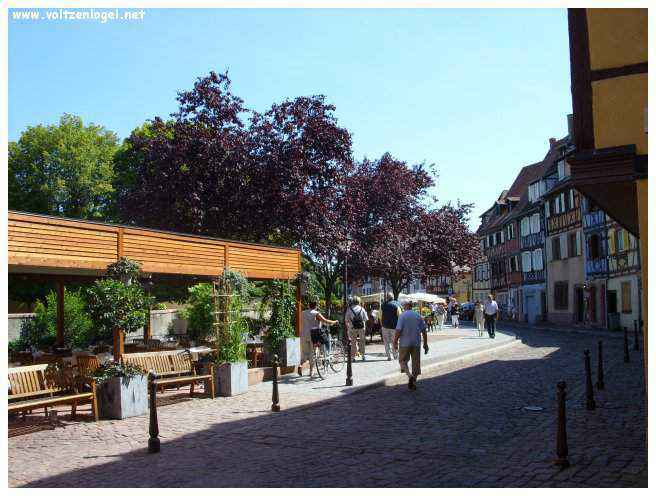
(526, 261)
(537, 259)
(555, 248)
(571, 244)
(626, 297)
(594, 247)
(561, 300)
(574, 244)
(513, 264)
(535, 223)
(561, 169)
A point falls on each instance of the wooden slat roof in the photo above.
(53, 245)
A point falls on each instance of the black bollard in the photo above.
(627, 359)
(349, 370)
(562, 451)
(589, 398)
(275, 400)
(153, 429)
(636, 340)
(600, 367)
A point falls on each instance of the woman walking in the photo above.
(479, 318)
(454, 314)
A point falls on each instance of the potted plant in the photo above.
(281, 335)
(118, 305)
(122, 390)
(228, 332)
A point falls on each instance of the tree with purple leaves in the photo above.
(206, 172)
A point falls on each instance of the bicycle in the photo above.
(330, 356)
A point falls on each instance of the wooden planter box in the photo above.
(120, 397)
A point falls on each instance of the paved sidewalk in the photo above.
(465, 426)
(445, 347)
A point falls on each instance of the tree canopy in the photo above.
(215, 167)
(64, 169)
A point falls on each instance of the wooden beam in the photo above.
(118, 348)
(60, 313)
(120, 248)
(147, 328)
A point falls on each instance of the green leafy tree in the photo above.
(115, 304)
(65, 169)
(41, 331)
(198, 311)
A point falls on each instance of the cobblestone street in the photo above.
(465, 426)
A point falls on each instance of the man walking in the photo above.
(491, 313)
(407, 340)
(390, 315)
(356, 322)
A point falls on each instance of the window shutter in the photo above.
(546, 209)
(503, 234)
(578, 243)
(563, 246)
(548, 247)
(571, 198)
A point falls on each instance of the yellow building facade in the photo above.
(609, 55)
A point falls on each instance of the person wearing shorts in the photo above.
(410, 328)
(311, 319)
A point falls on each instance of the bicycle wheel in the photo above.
(337, 356)
(320, 363)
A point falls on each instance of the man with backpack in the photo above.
(356, 319)
(390, 315)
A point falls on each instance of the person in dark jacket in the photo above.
(390, 312)
(455, 309)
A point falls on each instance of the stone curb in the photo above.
(464, 358)
(588, 332)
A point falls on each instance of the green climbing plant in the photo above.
(281, 322)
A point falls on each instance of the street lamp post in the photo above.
(347, 338)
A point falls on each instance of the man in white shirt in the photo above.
(491, 312)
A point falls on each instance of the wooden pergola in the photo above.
(63, 250)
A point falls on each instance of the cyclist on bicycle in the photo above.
(311, 331)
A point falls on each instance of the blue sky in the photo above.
(477, 92)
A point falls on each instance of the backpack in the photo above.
(357, 321)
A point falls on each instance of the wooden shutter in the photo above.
(611, 241)
(564, 253)
(548, 247)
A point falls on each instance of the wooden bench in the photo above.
(86, 364)
(32, 387)
(173, 368)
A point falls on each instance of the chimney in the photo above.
(552, 142)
